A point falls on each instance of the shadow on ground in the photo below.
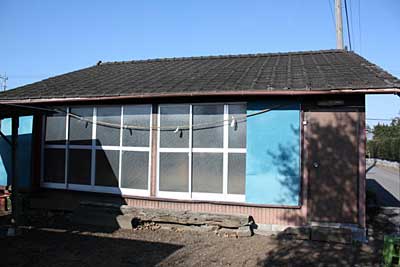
(56, 248)
(77, 246)
(311, 253)
(380, 222)
(371, 166)
(381, 196)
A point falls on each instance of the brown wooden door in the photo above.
(332, 163)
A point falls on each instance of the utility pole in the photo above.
(4, 81)
(339, 24)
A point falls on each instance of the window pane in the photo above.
(54, 165)
(140, 116)
(135, 170)
(210, 134)
(207, 172)
(174, 116)
(108, 135)
(79, 165)
(237, 134)
(174, 171)
(107, 165)
(80, 132)
(55, 128)
(236, 173)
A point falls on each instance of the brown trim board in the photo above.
(215, 93)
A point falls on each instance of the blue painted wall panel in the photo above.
(273, 153)
(5, 152)
(24, 151)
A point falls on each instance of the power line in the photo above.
(352, 22)
(333, 17)
(359, 25)
(347, 22)
(233, 120)
(376, 119)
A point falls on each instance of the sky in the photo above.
(40, 39)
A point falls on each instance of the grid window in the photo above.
(201, 150)
(107, 164)
(79, 166)
(140, 116)
(80, 131)
(198, 162)
(134, 173)
(236, 173)
(55, 128)
(207, 172)
(208, 129)
(54, 162)
(174, 169)
(170, 118)
(108, 135)
(237, 129)
(102, 149)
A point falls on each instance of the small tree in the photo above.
(385, 143)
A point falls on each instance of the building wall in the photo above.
(264, 214)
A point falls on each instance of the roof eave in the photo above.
(212, 93)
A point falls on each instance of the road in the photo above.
(385, 182)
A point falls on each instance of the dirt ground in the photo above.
(65, 245)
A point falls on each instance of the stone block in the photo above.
(300, 233)
(224, 232)
(330, 234)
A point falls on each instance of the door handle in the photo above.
(315, 164)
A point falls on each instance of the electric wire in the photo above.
(376, 119)
(352, 23)
(359, 26)
(198, 126)
(332, 16)
(347, 23)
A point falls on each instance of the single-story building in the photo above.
(278, 136)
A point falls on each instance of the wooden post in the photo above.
(362, 143)
(153, 145)
(14, 174)
(36, 152)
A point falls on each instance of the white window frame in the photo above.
(93, 147)
(225, 151)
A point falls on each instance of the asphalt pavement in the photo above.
(385, 183)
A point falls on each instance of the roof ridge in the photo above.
(251, 55)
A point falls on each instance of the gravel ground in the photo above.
(71, 246)
(50, 247)
(55, 242)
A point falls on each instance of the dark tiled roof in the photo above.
(313, 70)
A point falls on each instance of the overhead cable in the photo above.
(236, 119)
